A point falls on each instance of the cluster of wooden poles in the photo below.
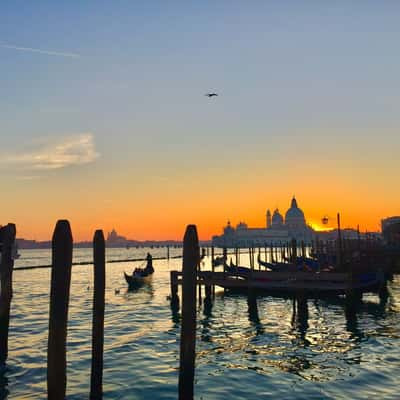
(62, 249)
(59, 299)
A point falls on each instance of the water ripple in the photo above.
(244, 350)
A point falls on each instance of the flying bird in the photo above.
(211, 94)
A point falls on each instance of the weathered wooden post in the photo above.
(302, 312)
(207, 299)
(198, 279)
(99, 258)
(7, 238)
(213, 268)
(174, 291)
(168, 252)
(303, 249)
(188, 331)
(339, 244)
(271, 252)
(59, 298)
(294, 252)
(283, 252)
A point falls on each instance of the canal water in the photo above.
(244, 351)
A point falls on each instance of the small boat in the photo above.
(292, 279)
(276, 266)
(242, 278)
(233, 269)
(219, 261)
(137, 279)
(140, 275)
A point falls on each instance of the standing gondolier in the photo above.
(149, 266)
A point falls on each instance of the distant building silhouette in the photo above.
(277, 229)
(391, 230)
(113, 239)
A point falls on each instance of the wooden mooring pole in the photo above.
(339, 258)
(294, 251)
(99, 261)
(7, 238)
(188, 331)
(59, 298)
(213, 268)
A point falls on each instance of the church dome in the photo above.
(277, 219)
(294, 216)
(228, 230)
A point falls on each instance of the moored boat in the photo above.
(289, 278)
(311, 282)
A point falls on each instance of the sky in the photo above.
(103, 118)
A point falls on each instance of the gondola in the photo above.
(276, 266)
(320, 283)
(140, 275)
(233, 269)
(138, 278)
(219, 261)
(301, 264)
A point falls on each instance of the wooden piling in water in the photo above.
(271, 253)
(99, 261)
(199, 287)
(302, 311)
(212, 268)
(174, 291)
(188, 329)
(294, 252)
(59, 298)
(7, 237)
(339, 259)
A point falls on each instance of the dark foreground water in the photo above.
(244, 351)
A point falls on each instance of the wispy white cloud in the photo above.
(73, 150)
(41, 51)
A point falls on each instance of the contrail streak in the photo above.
(50, 53)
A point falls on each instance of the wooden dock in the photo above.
(348, 267)
(285, 282)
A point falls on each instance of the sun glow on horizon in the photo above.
(320, 228)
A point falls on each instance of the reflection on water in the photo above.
(254, 319)
(247, 347)
(141, 289)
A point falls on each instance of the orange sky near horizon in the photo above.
(153, 207)
(152, 217)
(94, 197)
